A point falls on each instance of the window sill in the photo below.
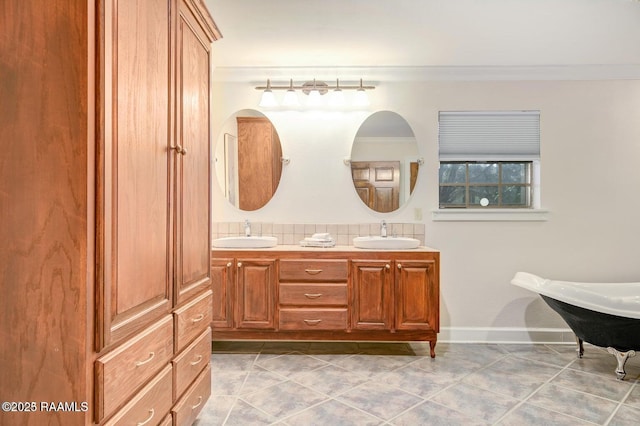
(490, 215)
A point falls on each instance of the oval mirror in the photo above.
(384, 161)
(248, 159)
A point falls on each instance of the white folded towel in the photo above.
(324, 240)
(319, 240)
(322, 236)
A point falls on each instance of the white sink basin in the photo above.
(386, 243)
(245, 242)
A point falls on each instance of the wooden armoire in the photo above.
(105, 211)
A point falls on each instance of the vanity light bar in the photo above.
(314, 89)
(315, 85)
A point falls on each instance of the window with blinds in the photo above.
(487, 158)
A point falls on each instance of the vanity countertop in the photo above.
(337, 248)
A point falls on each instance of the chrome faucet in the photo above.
(247, 228)
(383, 229)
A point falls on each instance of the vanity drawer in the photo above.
(314, 270)
(191, 361)
(189, 406)
(192, 319)
(313, 319)
(313, 294)
(122, 371)
(150, 405)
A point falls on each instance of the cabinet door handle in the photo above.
(399, 265)
(312, 321)
(229, 265)
(239, 264)
(151, 414)
(313, 271)
(178, 149)
(146, 361)
(198, 318)
(197, 361)
(312, 295)
(193, 407)
(387, 266)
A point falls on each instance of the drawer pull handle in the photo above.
(313, 271)
(312, 295)
(197, 361)
(193, 407)
(312, 321)
(198, 318)
(151, 414)
(146, 361)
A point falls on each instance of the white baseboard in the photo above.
(506, 335)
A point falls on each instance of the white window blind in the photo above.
(489, 135)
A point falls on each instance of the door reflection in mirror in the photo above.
(248, 160)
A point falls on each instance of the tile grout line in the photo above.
(455, 382)
(525, 399)
(621, 403)
(240, 390)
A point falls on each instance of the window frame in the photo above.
(467, 185)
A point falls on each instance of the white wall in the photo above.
(590, 183)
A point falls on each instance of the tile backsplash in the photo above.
(292, 233)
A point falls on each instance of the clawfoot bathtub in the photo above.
(603, 314)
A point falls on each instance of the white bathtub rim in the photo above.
(620, 299)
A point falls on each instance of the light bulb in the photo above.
(314, 98)
(290, 98)
(268, 99)
(361, 99)
(337, 98)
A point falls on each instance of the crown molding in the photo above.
(430, 73)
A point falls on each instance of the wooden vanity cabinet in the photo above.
(327, 294)
(372, 294)
(108, 225)
(313, 294)
(223, 286)
(244, 293)
(416, 286)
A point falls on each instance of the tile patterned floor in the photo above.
(290, 384)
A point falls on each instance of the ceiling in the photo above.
(426, 33)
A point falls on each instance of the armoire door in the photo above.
(193, 240)
(135, 163)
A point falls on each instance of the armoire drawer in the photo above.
(188, 364)
(189, 406)
(313, 319)
(303, 270)
(150, 405)
(192, 319)
(313, 294)
(122, 371)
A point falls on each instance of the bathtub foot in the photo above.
(622, 358)
(580, 347)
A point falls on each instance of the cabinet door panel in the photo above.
(222, 278)
(416, 302)
(256, 302)
(193, 174)
(134, 194)
(372, 295)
